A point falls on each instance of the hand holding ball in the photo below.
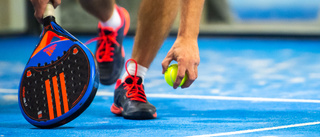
(171, 74)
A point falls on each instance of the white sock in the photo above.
(131, 68)
(114, 21)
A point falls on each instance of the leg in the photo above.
(154, 22)
(113, 26)
(102, 9)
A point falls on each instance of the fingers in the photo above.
(191, 69)
(165, 63)
(192, 73)
(180, 74)
(40, 6)
(186, 53)
(56, 3)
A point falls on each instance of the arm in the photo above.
(40, 6)
(185, 49)
(190, 18)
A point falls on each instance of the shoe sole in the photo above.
(139, 115)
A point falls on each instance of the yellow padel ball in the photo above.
(171, 74)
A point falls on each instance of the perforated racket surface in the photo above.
(60, 79)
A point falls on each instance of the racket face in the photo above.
(59, 82)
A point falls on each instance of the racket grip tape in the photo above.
(49, 10)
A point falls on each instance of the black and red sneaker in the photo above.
(130, 100)
(110, 53)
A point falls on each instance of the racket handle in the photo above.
(49, 10)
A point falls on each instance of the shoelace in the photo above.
(105, 50)
(135, 90)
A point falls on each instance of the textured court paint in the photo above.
(176, 117)
(253, 99)
(258, 130)
(225, 71)
(271, 68)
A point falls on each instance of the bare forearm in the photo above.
(190, 18)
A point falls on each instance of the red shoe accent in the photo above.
(127, 19)
(105, 52)
(115, 110)
(135, 91)
(154, 115)
(122, 52)
(118, 83)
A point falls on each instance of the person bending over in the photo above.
(155, 19)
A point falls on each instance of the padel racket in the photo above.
(60, 79)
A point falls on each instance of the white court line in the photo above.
(257, 130)
(255, 99)
(208, 97)
(10, 91)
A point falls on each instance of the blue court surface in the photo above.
(275, 10)
(246, 87)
